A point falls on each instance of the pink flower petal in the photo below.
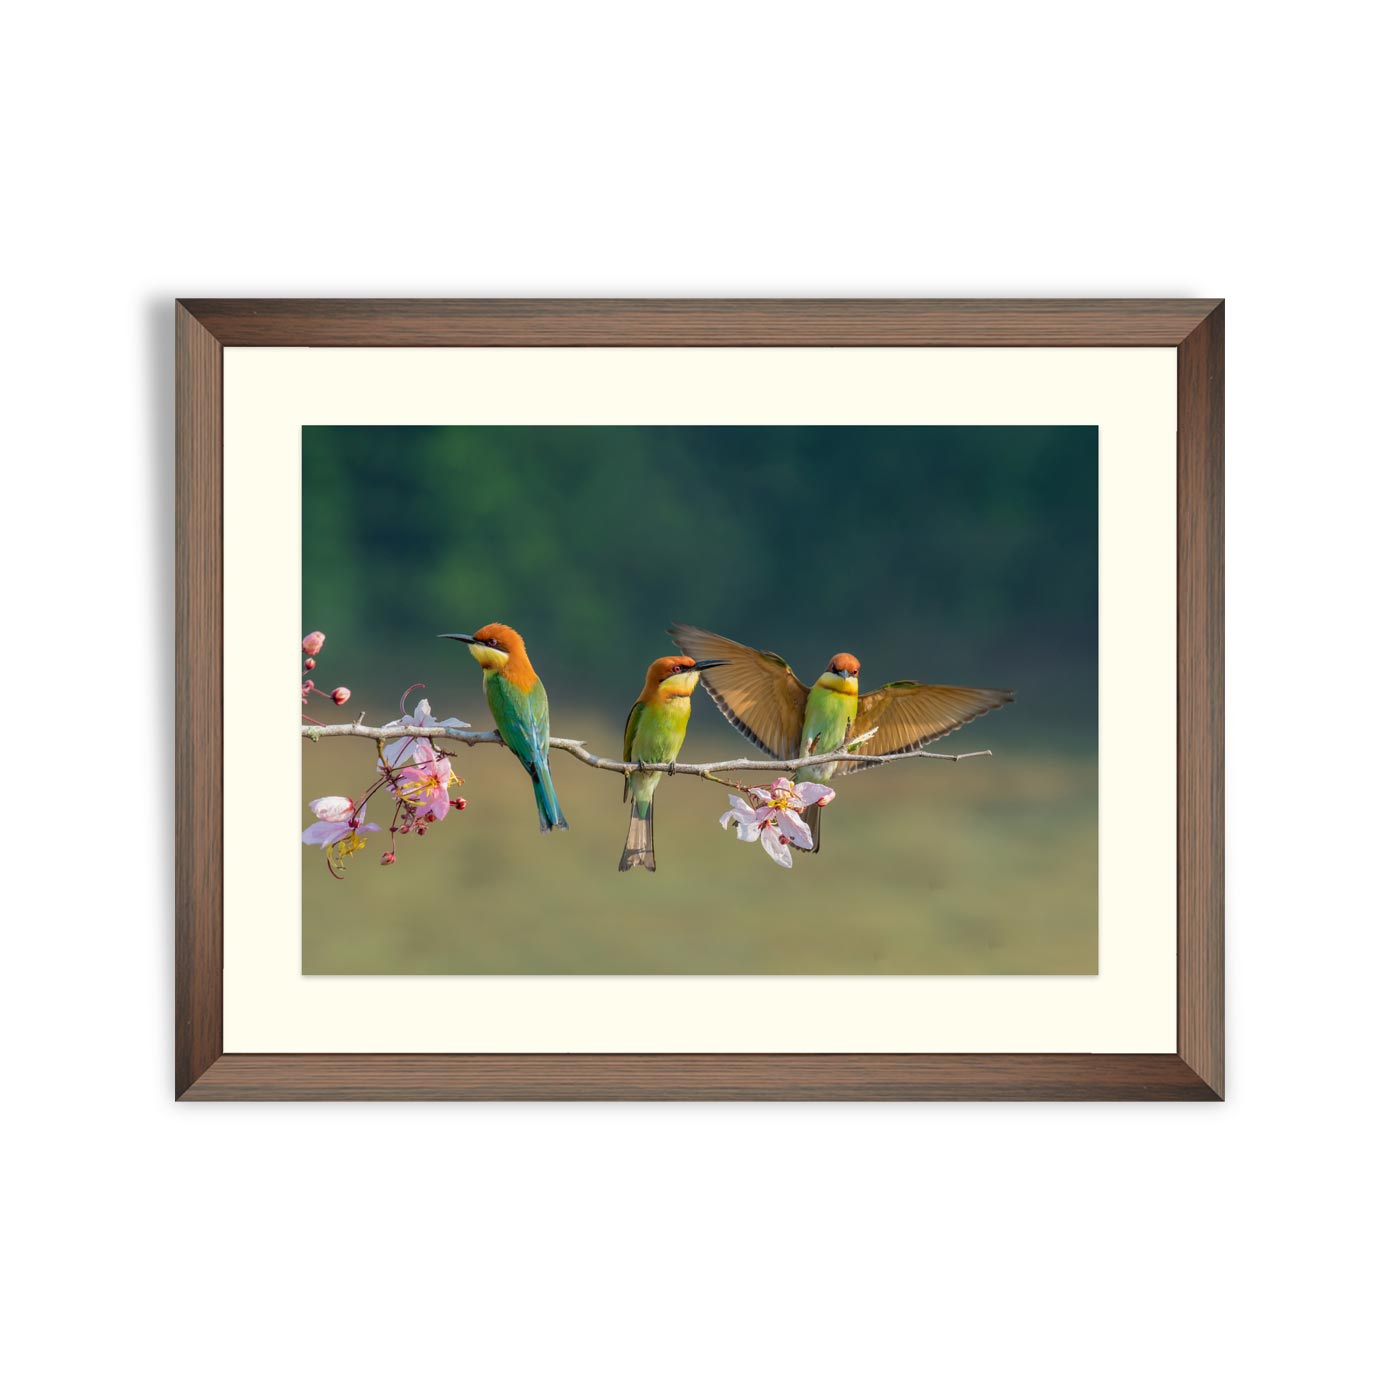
(323, 833)
(397, 752)
(795, 829)
(746, 821)
(332, 809)
(808, 793)
(775, 847)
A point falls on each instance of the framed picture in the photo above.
(700, 699)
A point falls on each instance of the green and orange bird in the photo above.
(655, 732)
(759, 695)
(518, 704)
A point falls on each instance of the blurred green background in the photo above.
(965, 555)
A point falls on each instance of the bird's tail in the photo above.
(639, 849)
(546, 802)
(813, 817)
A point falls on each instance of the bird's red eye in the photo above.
(677, 668)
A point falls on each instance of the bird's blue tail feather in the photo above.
(546, 802)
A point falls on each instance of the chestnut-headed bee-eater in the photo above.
(655, 732)
(518, 704)
(759, 695)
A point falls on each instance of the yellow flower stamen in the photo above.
(420, 790)
(346, 847)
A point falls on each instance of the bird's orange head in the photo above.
(497, 647)
(499, 637)
(842, 673)
(669, 677)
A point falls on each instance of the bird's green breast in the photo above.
(522, 716)
(829, 716)
(660, 730)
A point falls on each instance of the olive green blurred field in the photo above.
(959, 555)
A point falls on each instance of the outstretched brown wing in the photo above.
(910, 715)
(756, 691)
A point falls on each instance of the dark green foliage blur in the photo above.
(966, 555)
(957, 555)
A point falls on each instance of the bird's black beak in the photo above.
(705, 665)
(457, 637)
(845, 675)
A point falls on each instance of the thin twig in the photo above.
(576, 749)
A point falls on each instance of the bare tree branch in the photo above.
(575, 748)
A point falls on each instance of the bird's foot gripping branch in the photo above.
(413, 779)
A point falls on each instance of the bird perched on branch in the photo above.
(518, 704)
(759, 695)
(655, 732)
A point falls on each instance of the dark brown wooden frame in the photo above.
(1195, 329)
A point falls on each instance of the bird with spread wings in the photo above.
(758, 693)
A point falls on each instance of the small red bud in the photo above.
(313, 642)
(340, 695)
(460, 803)
(309, 664)
(387, 858)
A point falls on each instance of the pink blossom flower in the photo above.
(772, 816)
(413, 749)
(424, 788)
(336, 825)
(313, 642)
(340, 694)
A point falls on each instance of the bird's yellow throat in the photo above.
(678, 687)
(842, 685)
(488, 657)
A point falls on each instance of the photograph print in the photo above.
(699, 700)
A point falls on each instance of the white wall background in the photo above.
(158, 150)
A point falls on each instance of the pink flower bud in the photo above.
(309, 664)
(340, 695)
(387, 858)
(460, 803)
(313, 642)
(307, 687)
